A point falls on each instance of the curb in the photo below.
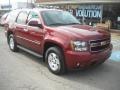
(114, 30)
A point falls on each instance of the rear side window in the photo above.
(12, 16)
(22, 18)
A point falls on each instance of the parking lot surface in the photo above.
(23, 71)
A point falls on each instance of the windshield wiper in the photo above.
(72, 23)
(56, 24)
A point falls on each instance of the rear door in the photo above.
(21, 31)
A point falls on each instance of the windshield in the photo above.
(57, 18)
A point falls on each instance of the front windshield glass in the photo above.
(57, 18)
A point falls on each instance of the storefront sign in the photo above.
(88, 11)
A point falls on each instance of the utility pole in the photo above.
(9, 5)
(27, 3)
(101, 19)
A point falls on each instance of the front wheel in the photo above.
(55, 60)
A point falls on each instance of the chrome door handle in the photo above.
(25, 29)
(32, 32)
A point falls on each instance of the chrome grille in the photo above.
(99, 45)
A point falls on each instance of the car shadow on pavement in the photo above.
(32, 57)
(103, 77)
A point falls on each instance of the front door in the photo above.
(35, 34)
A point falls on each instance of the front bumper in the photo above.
(75, 60)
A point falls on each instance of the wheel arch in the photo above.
(49, 44)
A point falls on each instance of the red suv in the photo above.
(57, 36)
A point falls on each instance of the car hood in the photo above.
(83, 32)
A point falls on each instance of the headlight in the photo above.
(79, 45)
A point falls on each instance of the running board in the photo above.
(29, 51)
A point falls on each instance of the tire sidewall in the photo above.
(15, 45)
(58, 52)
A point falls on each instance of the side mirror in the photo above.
(35, 22)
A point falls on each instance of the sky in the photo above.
(12, 1)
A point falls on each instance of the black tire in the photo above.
(12, 40)
(59, 55)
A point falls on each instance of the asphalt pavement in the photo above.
(23, 71)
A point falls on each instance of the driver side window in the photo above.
(32, 15)
(34, 19)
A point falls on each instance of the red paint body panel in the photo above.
(85, 58)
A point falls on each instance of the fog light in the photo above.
(78, 64)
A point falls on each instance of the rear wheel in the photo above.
(55, 60)
(12, 43)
